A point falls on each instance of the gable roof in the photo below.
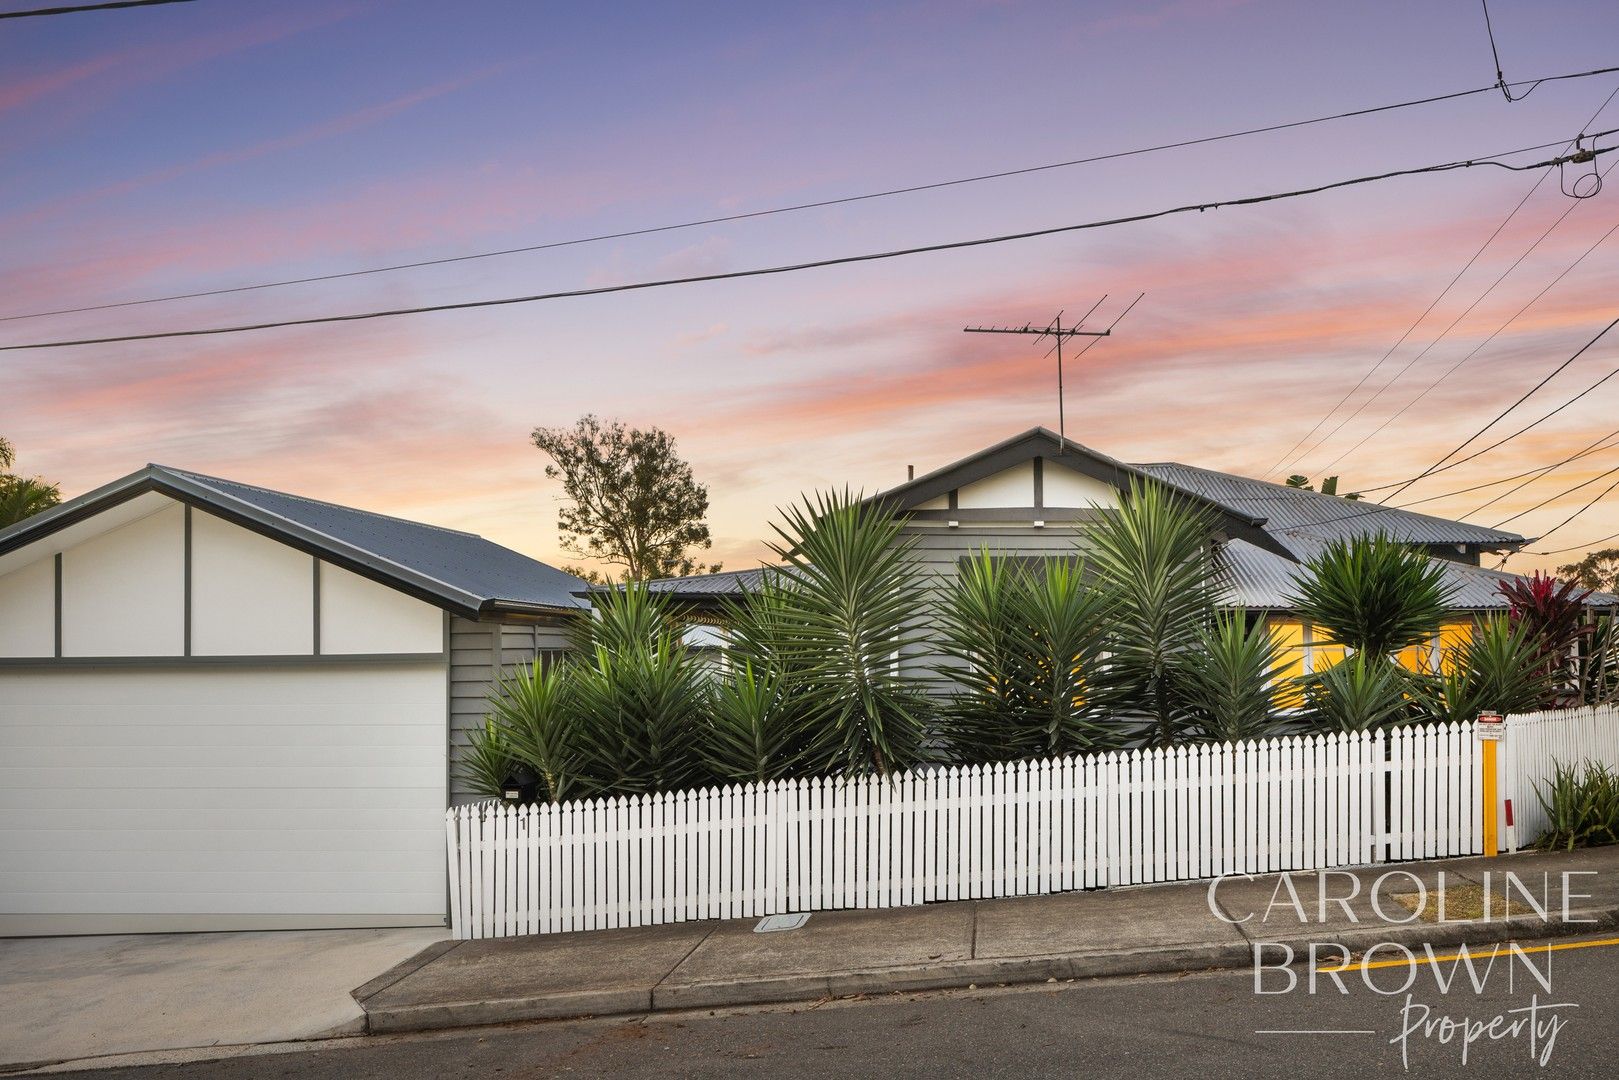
(1297, 516)
(458, 571)
(1040, 442)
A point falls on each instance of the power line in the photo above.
(1538, 471)
(1402, 410)
(1588, 545)
(1600, 496)
(1375, 368)
(1441, 466)
(813, 264)
(1535, 474)
(1500, 79)
(1553, 498)
(76, 8)
(794, 208)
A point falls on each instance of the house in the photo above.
(225, 707)
(1024, 498)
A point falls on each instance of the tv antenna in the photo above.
(1060, 333)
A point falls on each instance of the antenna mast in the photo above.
(1060, 333)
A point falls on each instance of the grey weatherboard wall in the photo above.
(477, 651)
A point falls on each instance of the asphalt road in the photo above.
(1201, 1025)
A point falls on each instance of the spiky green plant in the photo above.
(1359, 693)
(851, 592)
(755, 726)
(1023, 646)
(534, 709)
(1372, 594)
(1582, 806)
(487, 763)
(640, 716)
(1229, 680)
(1500, 668)
(627, 615)
(1152, 557)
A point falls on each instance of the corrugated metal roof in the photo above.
(464, 561)
(724, 583)
(1291, 513)
(1252, 577)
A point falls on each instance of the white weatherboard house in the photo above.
(224, 707)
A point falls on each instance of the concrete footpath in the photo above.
(1147, 929)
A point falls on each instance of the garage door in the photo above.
(213, 797)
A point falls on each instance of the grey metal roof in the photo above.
(1254, 578)
(459, 571)
(706, 586)
(1294, 515)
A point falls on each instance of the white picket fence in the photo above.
(1295, 803)
(1534, 741)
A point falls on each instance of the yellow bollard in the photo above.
(1489, 730)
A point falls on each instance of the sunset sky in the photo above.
(222, 143)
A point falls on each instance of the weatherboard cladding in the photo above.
(472, 673)
(1293, 512)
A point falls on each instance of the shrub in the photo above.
(1582, 807)
(487, 763)
(1552, 613)
(535, 713)
(845, 610)
(1024, 645)
(1152, 558)
(755, 728)
(1501, 668)
(1359, 693)
(639, 696)
(1373, 595)
(1229, 680)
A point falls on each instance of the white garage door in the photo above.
(211, 797)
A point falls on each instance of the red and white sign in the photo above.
(1491, 725)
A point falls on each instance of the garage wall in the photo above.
(155, 579)
(221, 797)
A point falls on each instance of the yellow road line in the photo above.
(1364, 966)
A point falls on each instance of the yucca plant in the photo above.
(1359, 693)
(487, 763)
(535, 712)
(1598, 667)
(638, 695)
(1500, 668)
(1152, 558)
(1023, 645)
(851, 590)
(1582, 807)
(1228, 680)
(641, 712)
(756, 728)
(1372, 594)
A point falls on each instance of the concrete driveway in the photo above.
(76, 997)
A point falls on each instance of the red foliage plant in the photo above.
(1553, 612)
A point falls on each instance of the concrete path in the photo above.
(1034, 939)
(79, 997)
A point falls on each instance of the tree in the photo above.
(633, 502)
(21, 496)
(1598, 570)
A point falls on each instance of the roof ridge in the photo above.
(205, 478)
